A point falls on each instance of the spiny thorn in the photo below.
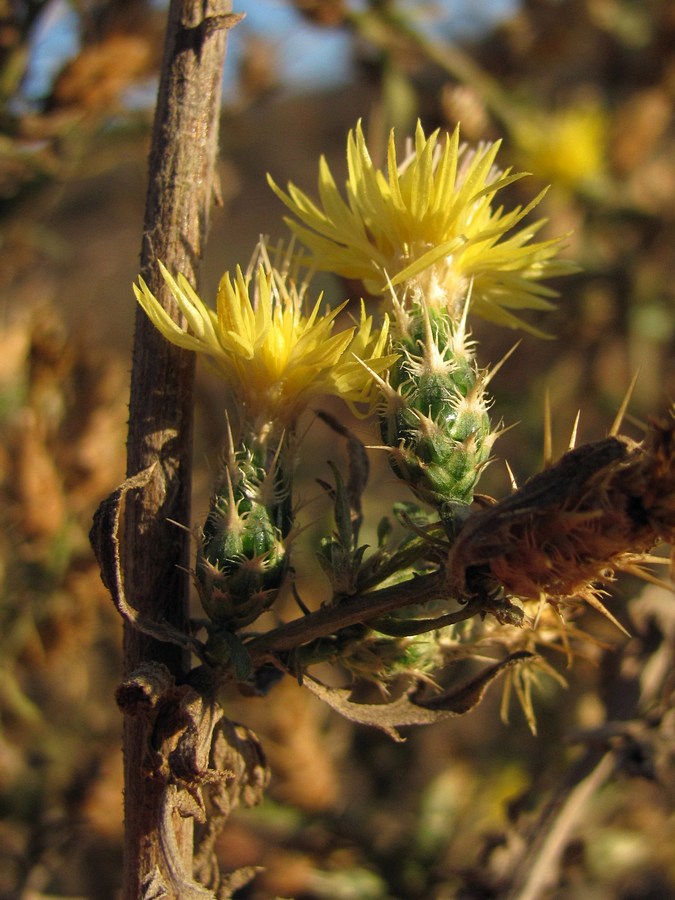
(540, 608)
(384, 447)
(640, 572)
(575, 429)
(231, 502)
(229, 452)
(182, 528)
(512, 477)
(616, 424)
(387, 390)
(488, 376)
(595, 602)
(461, 326)
(499, 432)
(400, 313)
(564, 637)
(567, 647)
(548, 434)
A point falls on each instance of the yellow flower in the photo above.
(567, 147)
(428, 224)
(273, 354)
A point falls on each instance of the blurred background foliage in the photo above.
(582, 93)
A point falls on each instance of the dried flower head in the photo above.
(429, 223)
(602, 507)
(541, 629)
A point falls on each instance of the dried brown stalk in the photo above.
(152, 550)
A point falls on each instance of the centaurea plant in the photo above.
(431, 245)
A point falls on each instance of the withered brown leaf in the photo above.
(411, 708)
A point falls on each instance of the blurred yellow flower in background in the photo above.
(567, 147)
(429, 225)
(274, 354)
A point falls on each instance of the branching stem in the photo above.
(360, 609)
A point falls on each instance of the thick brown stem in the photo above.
(180, 192)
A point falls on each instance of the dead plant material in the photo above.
(601, 508)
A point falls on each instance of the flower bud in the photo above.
(435, 417)
(241, 558)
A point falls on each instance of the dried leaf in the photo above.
(180, 882)
(201, 757)
(409, 709)
(358, 468)
(104, 538)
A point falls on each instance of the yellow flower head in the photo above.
(274, 355)
(567, 147)
(428, 224)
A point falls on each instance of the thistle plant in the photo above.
(275, 353)
(431, 244)
(428, 238)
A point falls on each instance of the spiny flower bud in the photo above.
(241, 558)
(435, 413)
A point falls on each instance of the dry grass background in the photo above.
(350, 814)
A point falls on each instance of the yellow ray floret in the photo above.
(274, 354)
(428, 222)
